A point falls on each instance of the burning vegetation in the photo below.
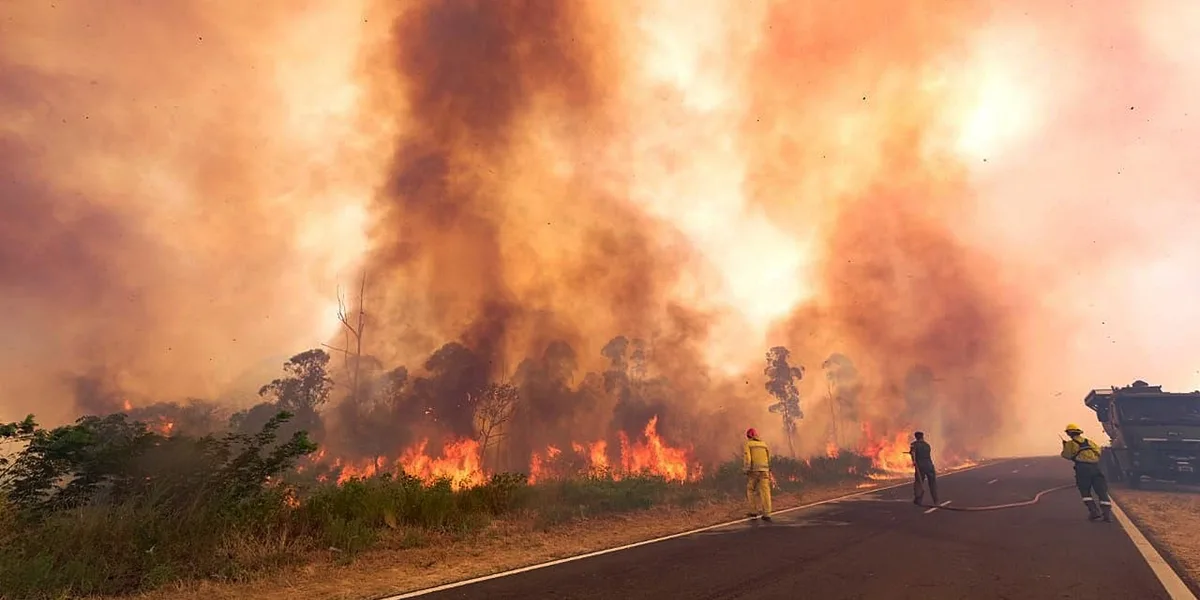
(434, 428)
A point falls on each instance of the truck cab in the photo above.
(1153, 433)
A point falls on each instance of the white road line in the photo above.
(1016, 470)
(993, 481)
(937, 507)
(466, 582)
(1170, 580)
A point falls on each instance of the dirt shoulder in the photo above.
(502, 546)
(1171, 521)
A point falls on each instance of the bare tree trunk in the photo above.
(358, 337)
(356, 331)
(788, 426)
(833, 415)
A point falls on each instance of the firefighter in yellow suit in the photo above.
(756, 462)
(1088, 475)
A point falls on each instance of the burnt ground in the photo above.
(878, 545)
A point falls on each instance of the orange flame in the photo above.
(363, 470)
(650, 456)
(831, 450)
(891, 455)
(163, 427)
(460, 463)
(597, 454)
(656, 458)
(536, 468)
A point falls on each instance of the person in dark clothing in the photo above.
(923, 470)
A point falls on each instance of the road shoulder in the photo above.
(1170, 521)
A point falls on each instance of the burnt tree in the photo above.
(781, 384)
(493, 410)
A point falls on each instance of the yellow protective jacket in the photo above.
(1081, 450)
(755, 456)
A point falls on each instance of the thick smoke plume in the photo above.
(896, 290)
(950, 212)
(170, 199)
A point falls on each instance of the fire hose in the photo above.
(1000, 506)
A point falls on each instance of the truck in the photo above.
(1154, 434)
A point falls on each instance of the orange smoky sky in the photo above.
(997, 191)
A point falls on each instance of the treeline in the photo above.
(358, 409)
(371, 411)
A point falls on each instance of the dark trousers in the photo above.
(925, 472)
(1089, 478)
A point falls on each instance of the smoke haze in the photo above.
(981, 205)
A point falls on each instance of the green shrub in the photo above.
(795, 474)
(591, 496)
(90, 510)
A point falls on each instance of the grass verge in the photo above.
(505, 544)
(1168, 519)
(383, 533)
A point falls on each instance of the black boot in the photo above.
(1107, 509)
(1093, 512)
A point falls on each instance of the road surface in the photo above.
(874, 546)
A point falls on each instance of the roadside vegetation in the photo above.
(108, 506)
(151, 496)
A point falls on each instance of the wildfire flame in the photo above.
(890, 455)
(597, 455)
(649, 455)
(163, 426)
(459, 462)
(655, 457)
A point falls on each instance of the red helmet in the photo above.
(751, 433)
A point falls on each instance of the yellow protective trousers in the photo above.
(758, 492)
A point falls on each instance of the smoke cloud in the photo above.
(971, 212)
(172, 195)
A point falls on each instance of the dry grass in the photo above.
(1171, 519)
(504, 545)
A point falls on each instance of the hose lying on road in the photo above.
(1000, 506)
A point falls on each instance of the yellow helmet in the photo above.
(1073, 428)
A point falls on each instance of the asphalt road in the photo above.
(874, 546)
